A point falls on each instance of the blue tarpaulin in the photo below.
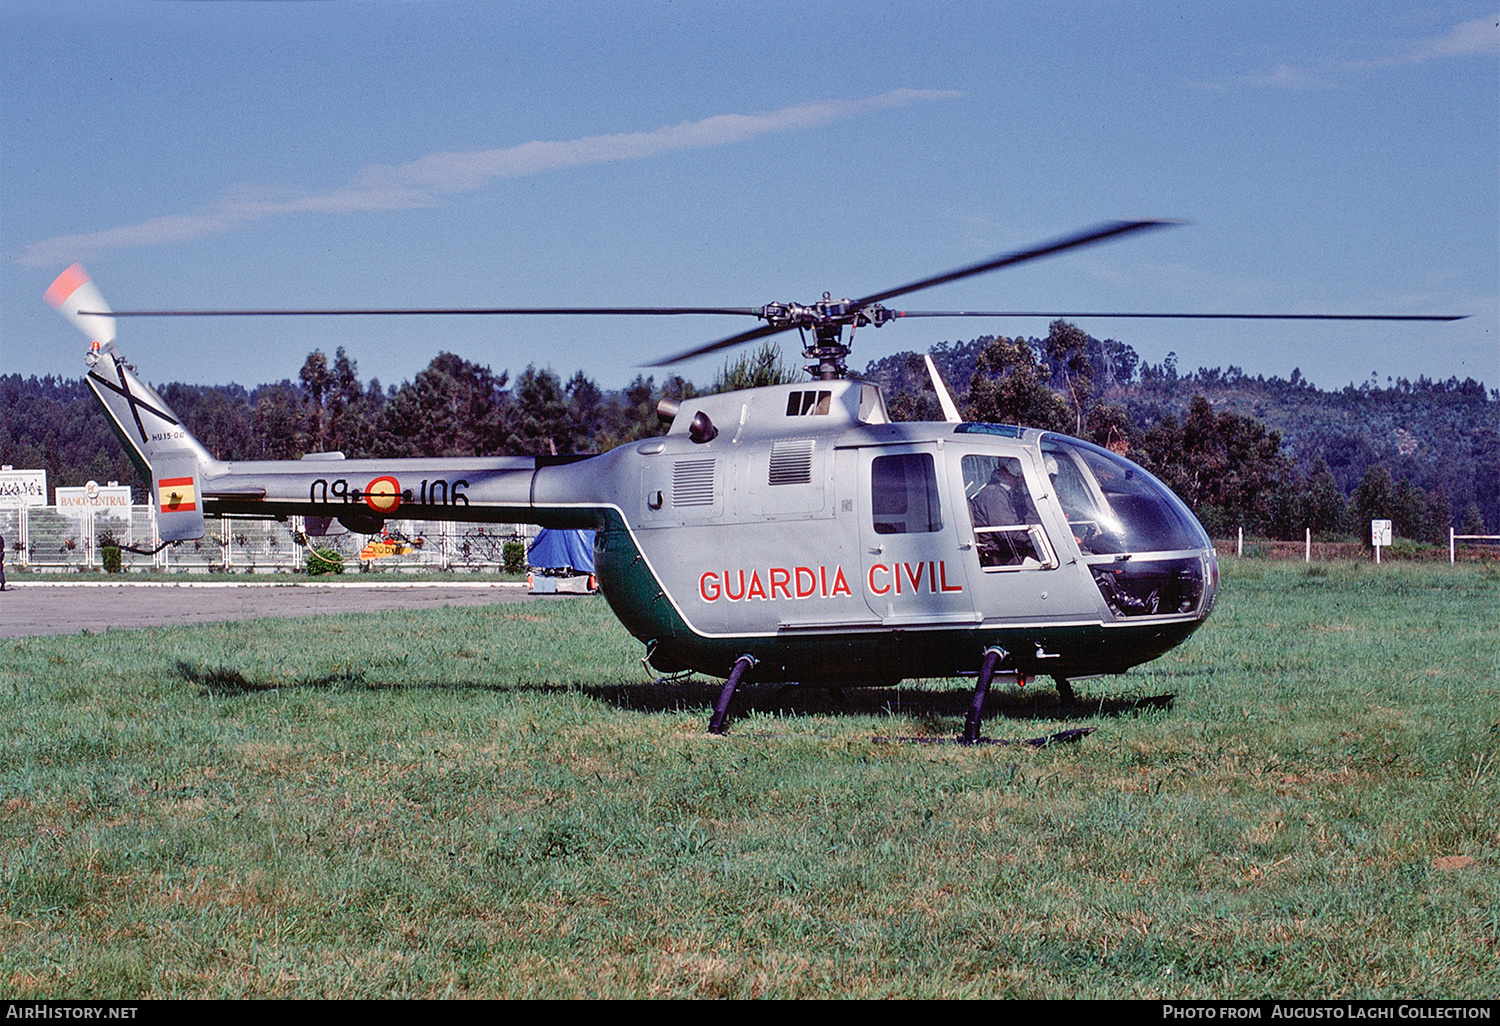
(555, 549)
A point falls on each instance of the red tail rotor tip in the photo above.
(66, 284)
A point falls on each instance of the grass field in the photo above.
(494, 803)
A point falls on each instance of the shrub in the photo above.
(514, 555)
(324, 561)
(109, 552)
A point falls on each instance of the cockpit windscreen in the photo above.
(1114, 506)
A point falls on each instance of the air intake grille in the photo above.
(791, 461)
(693, 483)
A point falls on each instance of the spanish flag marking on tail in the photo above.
(176, 494)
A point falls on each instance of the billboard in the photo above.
(95, 498)
(22, 488)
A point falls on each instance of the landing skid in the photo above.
(992, 665)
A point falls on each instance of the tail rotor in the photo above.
(75, 291)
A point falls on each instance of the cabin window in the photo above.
(1158, 587)
(1007, 530)
(903, 494)
(811, 403)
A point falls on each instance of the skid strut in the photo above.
(992, 656)
(721, 708)
(1065, 690)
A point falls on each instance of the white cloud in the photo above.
(1285, 77)
(1479, 37)
(424, 181)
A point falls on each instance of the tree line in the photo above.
(1271, 456)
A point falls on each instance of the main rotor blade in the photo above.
(1099, 233)
(724, 343)
(1185, 316)
(610, 311)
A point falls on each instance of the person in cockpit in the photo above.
(1003, 503)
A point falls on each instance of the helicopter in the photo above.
(785, 533)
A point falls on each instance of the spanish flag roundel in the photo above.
(383, 494)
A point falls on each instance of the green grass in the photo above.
(495, 802)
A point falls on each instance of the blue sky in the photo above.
(1334, 157)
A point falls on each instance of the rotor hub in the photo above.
(827, 320)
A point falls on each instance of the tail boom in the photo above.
(188, 483)
(364, 493)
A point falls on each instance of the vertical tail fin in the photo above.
(162, 448)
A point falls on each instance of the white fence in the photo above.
(1485, 546)
(42, 538)
(1488, 541)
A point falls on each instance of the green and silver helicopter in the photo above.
(790, 533)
